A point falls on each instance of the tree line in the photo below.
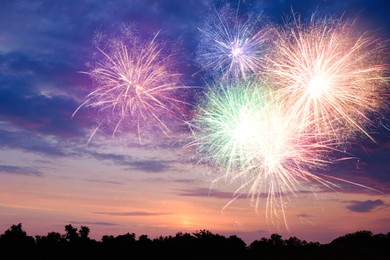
(75, 243)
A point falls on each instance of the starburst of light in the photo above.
(243, 130)
(231, 48)
(330, 75)
(135, 88)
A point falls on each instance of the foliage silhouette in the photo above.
(15, 244)
(203, 244)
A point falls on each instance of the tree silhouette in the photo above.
(71, 234)
(361, 244)
(15, 244)
(50, 245)
(120, 247)
(84, 233)
(203, 244)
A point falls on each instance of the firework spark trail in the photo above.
(135, 87)
(230, 48)
(322, 83)
(243, 130)
(329, 74)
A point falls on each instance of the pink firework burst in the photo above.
(329, 74)
(135, 88)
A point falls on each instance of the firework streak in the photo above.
(243, 130)
(134, 87)
(230, 48)
(330, 76)
(318, 87)
(278, 111)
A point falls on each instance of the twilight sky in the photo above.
(51, 176)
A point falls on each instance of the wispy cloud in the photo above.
(364, 206)
(24, 106)
(150, 165)
(205, 192)
(116, 158)
(366, 173)
(27, 141)
(12, 137)
(93, 223)
(17, 170)
(133, 213)
(132, 163)
(103, 181)
(174, 180)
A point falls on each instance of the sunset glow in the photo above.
(244, 118)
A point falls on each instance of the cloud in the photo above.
(17, 170)
(103, 181)
(93, 223)
(14, 138)
(39, 113)
(149, 165)
(175, 180)
(205, 192)
(133, 213)
(116, 158)
(187, 181)
(365, 170)
(364, 206)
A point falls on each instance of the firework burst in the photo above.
(230, 48)
(329, 75)
(243, 130)
(135, 88)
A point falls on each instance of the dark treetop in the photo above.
(76, 244)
